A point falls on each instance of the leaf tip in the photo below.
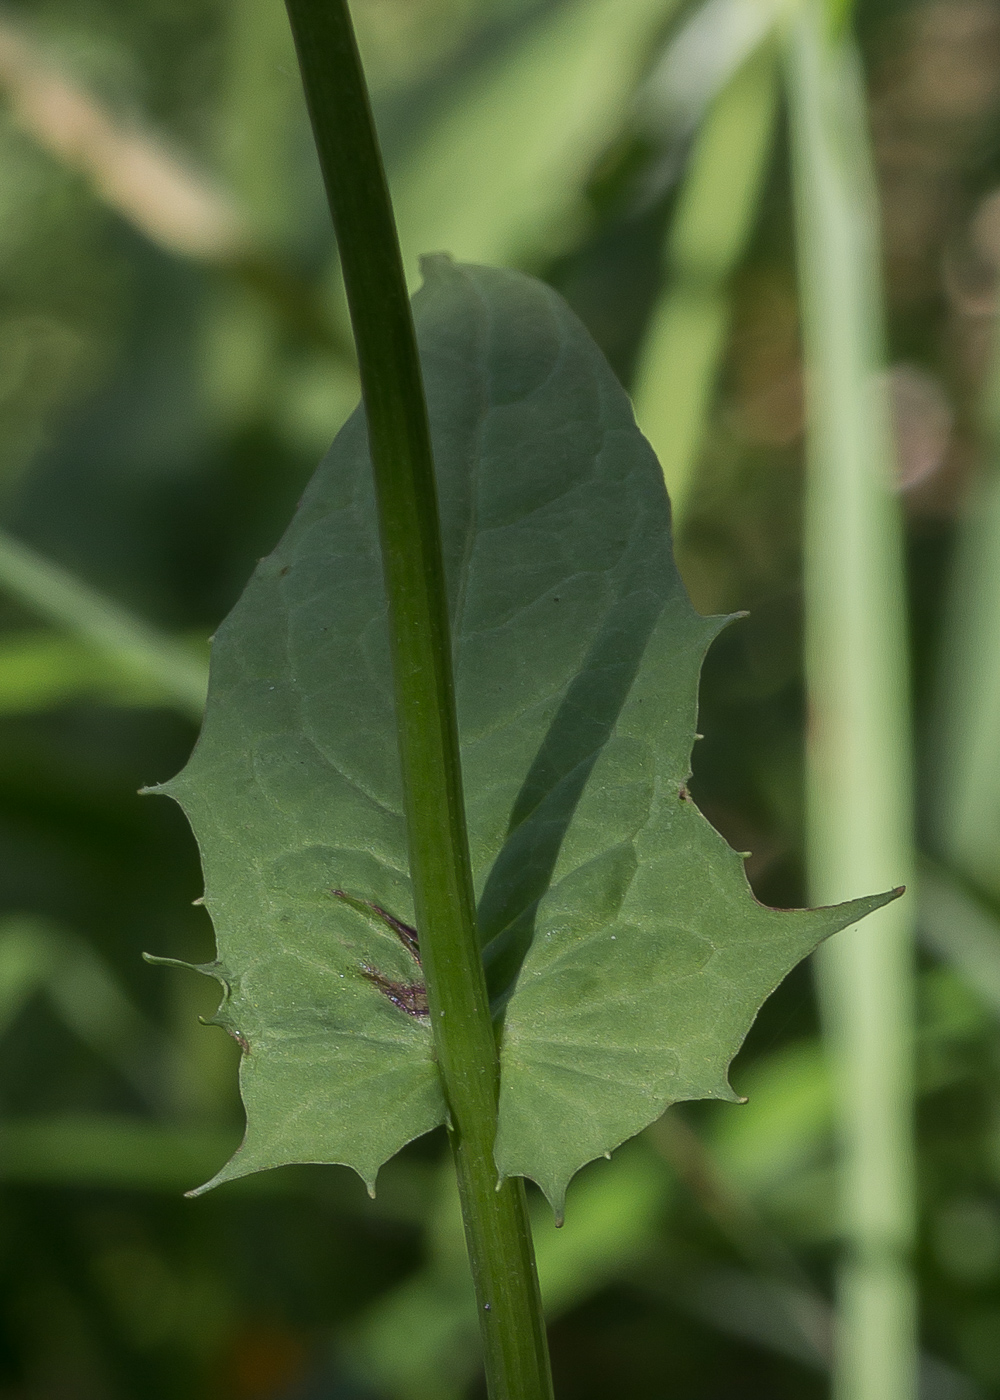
(158, 789)
(155, 960)
(725, 1093)
(225, 1173)
(555, 1193)
(219, 1179)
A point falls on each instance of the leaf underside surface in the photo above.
(625, 953)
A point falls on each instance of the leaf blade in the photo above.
(576, 657)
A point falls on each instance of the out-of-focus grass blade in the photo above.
(763, 1311)
(497, 177)
(40, 670)
(38, 958)
(858, 780)
(126, 1152)
(704, 51)
(136, 648)
(785, 1124)
(420, 1342)
(616, 1211)
(258, 103)
(964, 807)
(110, 1151)
(961, 931)
(793, 1322)
(708, 235)
(260, 112)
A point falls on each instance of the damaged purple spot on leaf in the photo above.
(406, 935)
(410, 997)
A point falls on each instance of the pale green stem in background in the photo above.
(965, 796)
(859, 801)
(679, 366)
(133, 645)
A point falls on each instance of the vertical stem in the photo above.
(496, 1225)
(858, 779)
(708, 237)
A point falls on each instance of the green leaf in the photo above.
(576, 665)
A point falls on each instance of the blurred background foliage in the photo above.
(174, 358)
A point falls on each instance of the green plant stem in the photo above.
(496, 1224)
(708, 235)
(131, 644)
(859, 833)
